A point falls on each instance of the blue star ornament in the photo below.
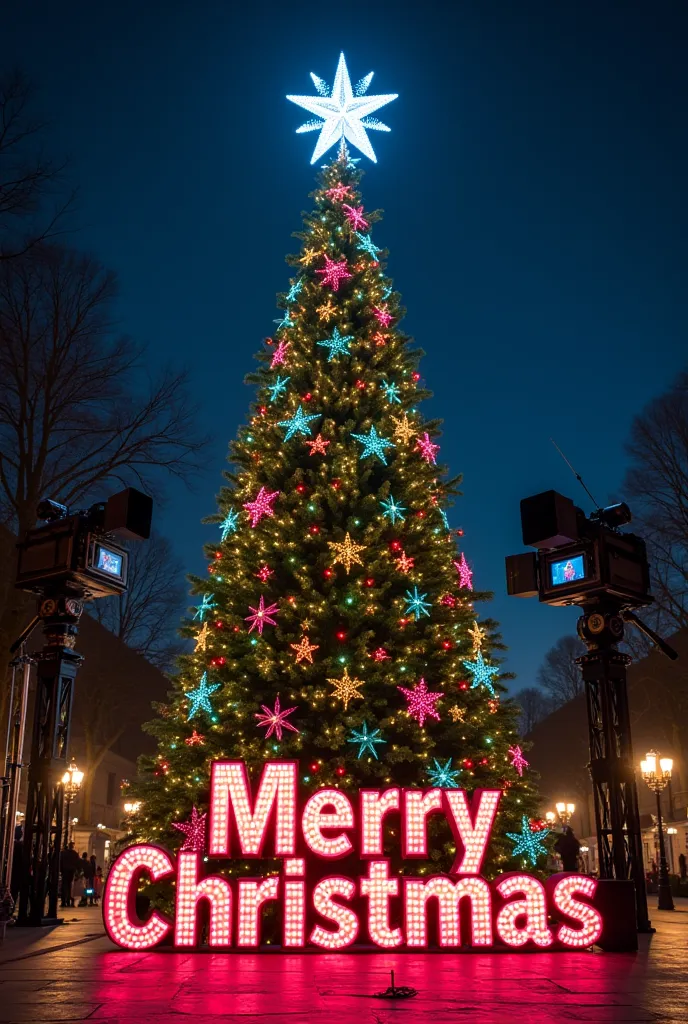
(482, 673)
(374, 444)
(443, 775)
(229, 524)
(391, 391)
(344, 114)
(298, 424)
(338, 344)
(199, 699)
(278, 388)
(365, 244)
(206, 605)
(293, 292)
(527, 842)
(417, 604)
(366, 740)
(393, 511)
(285, 322)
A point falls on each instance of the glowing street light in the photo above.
(565, 811)
(656, 773)
(132, 806)
(71, 781)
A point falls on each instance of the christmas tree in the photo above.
(338, 624)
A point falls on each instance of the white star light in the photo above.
(345, 113)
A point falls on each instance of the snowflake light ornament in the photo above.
(367, 741)
(344, 113)
(278, 388)
(392, 392)
(207, 604)
(518, 761)
(527, 842)
(417, 604)
(193, 831)
(262, 616)
(421, 702)
(229, 524)
(443, 775)
(393, 511)
(427, 449)
(275, 719)
(346, 688)
(465, 573)
(354, 215)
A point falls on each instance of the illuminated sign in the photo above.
(325, 908)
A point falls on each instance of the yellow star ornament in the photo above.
(202, 638)
(304, 650)
(346, 688)
(478, 635)
(346, 552)
(457, 714)
(403, 431)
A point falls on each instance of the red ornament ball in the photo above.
(340, 771)
(314, 528)
(307, 397)
(370, 582)
(341, 635)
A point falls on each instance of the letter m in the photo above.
(230, 800)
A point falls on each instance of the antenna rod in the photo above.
(578, 477)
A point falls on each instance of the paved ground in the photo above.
(72, 973)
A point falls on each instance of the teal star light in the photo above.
(443, 775)
(199, 699)
(294, 291)
(338, 344)
(365, 244)
(417, 603)
(298, 424)
(278, 388)
(393, 511)
(527, 842)
(206, 605)
(366, 740)
(444, 518)
(286, 321)
(391, 391)
(374, 444)
(229, 524)
(482, 673)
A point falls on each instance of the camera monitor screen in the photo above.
(568, 570)
(109, 562)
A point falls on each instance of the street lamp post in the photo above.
(71, 780)
(656, 772)
(565, 811)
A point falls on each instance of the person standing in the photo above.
(94, 867)
(87, 874)
(69, 863)
(682, 865)
(568, 848)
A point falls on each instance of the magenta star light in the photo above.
(382, 315)
(427, 449)
(333, 272)
(193, 830)
(354, 215)
(279, 356)
(465, 573)
(518, 761)
(261, 506)
(261, 616)
(275, 719)
(421, 702)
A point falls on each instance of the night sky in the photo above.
(535, 212)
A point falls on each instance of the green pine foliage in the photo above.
(315, 385)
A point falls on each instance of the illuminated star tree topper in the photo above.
(344, 112)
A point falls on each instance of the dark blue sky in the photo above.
(534, 191)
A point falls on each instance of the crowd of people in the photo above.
(81, 878)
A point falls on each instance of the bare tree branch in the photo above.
(535, 705)
(559, 674)
(145, 617)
